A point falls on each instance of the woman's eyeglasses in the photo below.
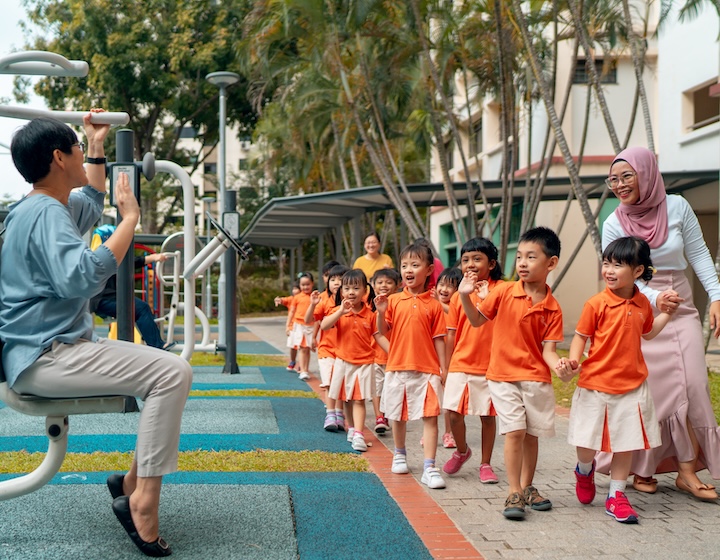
(80, 145)
(625, 179)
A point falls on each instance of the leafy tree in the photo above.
(148, 58)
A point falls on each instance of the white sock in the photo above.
(616, 486)
(585, 468)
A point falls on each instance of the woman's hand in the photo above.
(668, 301)
(715, 318)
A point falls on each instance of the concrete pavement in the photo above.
(672, 523)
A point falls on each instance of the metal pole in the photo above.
(208, 280)
(320, 261)
(126, 271)
(230, 260)
(222, 194)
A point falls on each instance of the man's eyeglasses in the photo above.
(80, 145)
(614, 182)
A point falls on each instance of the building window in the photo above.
(607, 72)
(705, 109)
(188, 132)
(477, 131)
(210, 169)
(242, 164)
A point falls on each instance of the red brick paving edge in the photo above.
(449, 542)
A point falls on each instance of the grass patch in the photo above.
(260, 460)
(258, 360)
(253, 393)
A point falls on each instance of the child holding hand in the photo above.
(612, 409)
(529, 320)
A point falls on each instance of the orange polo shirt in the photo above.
(519, 333)
(354, 333)
(415, 322)
(615, 326)
(381, 356)
(471, 354)
(328, 338)
(286, 301)
(301, 302)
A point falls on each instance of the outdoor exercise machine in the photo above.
(55, 411)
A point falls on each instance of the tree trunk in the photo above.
(638, 56)
(592, 228)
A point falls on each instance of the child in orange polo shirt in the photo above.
(529, 320)
(287, 302)
(321, 305)
(354, 323)
(300, 333)
(612, 409)
(447, 284)
(468, 354)
(414, 376)
(385, 282)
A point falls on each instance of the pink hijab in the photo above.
(648, 217)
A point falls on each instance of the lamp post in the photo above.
(207, 202)
(222, 80)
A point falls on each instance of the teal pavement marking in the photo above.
(198, 520)
(201, 416)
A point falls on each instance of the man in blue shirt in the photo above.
(48, 274)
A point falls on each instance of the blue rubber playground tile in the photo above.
(291, 424)
(336, 515)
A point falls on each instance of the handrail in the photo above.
(42, 63)
(69, 117)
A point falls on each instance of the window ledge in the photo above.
(699, 134)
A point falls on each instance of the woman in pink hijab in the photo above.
(676, 357)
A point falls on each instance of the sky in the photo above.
(11, 39)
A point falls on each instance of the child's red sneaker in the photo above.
(619, 507)
(585, 485)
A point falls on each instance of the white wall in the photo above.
(689, 55)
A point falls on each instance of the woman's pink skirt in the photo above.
(679, 386)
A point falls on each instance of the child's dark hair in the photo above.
(631, 251)
(296, 284)
(391, 273)
(451, 275)
(302, 275)
(483, 245)
(357, 276)
(418, 249)
(545, 237)
(335, 271)
(327, 266)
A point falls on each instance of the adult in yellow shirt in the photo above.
(373, 259)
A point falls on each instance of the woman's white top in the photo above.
(685, 243)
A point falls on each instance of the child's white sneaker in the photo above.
(432, 479)
(399, 464)
(350, 434)
(358, 442)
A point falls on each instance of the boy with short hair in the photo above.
(528, 325)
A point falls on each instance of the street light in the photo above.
(222, 80)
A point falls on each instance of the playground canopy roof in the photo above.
(289, 221)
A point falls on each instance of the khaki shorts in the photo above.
(325, 365)
(524, 405)
(467, 394)
(352, 382)
(411, 395)
(613, 423)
